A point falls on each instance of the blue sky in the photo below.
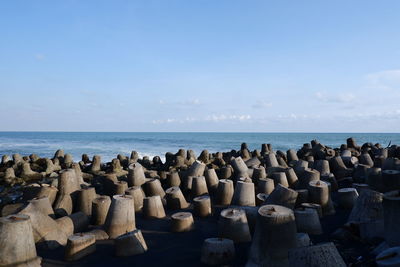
(269, 66)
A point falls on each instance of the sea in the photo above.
(109, 144)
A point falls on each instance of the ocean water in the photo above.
(109, 145)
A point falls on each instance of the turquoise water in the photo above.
(108, 145)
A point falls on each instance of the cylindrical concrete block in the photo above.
(240, 168)
(322, 166)
(347, 197)
(244, 194)
(68, 182)
(319, 194)
(307, 221)
(233, 225)
(153, 188)
(79, 246)
(136, 175)
(120, 187)
(282, 196)
(265, 185)
(275, 234)
(270, 160)
(175, 199)
(153, 207)
(182, 222)
(138, 195)
(100, 207)
(391, 212)
(291, 155)
(211, 180)
(202, 206)
(217, 251)
(308, 176)
(292, 178)
(196, 169)
(84, 201)
(121, 216)
(259, 173)
(173, 179)
(391, 180)
(280, 178)
(96, 164)
(314, 206)
(224, 192)
(17, 245)
(130, 244)
(199, 186)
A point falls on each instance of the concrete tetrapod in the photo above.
(100, 207)
(347, 197)
(43, 205)
(202, 206)
(45, 229)
(307, 221)
(265, 185)
(240, 168)
(314, 206)
(173, 179)
(319, 194)
(181, 222)
(308, 176)
(211, 180)
(324, 254)
(153, 188)
(282, 196)
(136, 175)
(224, 192)
(274, 235)
(79, 246)
(280, 178)
(233, 225)
(368, 207)
(68, 185)
(17, 246)
(391, 212)
(217, 251)
(121, 216)
(138, 195)
(84, 200)
(119, 188)
(175, 199)
(244, 194)
(153, 207)
(292, 178)
(199, 186)
(196, 169)
(130, 244)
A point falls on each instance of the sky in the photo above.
(204, 65)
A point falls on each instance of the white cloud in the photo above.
(223, 117)
(210, 118)
(338, 98)
(260, 104)
(387, 79)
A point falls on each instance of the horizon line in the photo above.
(249, 132)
